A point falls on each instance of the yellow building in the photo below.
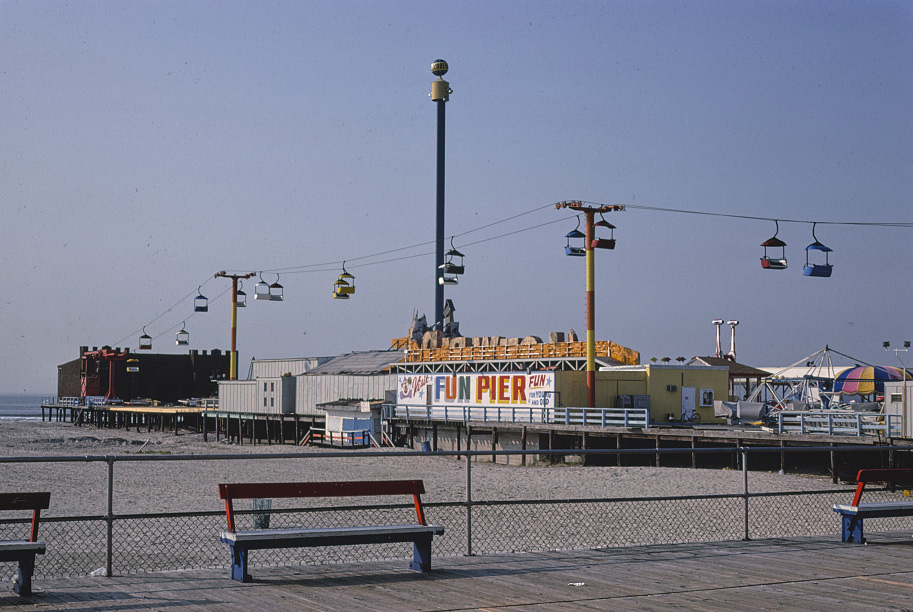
(675, 392)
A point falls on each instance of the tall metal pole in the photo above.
(440, 94)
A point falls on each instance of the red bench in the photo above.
(240, 542)
(24, 551)
(853, 514)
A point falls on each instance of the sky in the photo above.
(147, 145)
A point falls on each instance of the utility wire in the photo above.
(329, 266)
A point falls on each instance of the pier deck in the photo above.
(813, 574)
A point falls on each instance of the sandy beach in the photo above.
(170, 486)
(155, 474)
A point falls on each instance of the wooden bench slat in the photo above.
(899, 476)
(325, 532)
(353, 488)
(11, 545)
(25, 501)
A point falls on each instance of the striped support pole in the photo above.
(590, 313)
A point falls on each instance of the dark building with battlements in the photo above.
(125, 375)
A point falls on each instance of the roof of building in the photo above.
(736, 370)
(360, 363)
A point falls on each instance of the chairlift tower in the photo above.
(590, 245)
(233, 369)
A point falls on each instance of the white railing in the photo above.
(832, 422)
(340, 438)
(602, 417)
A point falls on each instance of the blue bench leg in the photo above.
(23, 582)
(421, 555)
(239, 563)
(852, 529)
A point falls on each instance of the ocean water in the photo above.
(21, 405)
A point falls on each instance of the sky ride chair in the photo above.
(817, 269)
(774, 263)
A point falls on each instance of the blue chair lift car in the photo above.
(604, 243)
(819, 269)
(774, 263)
(576, 234)
(145, 341)
(182, 338)
(200, 303)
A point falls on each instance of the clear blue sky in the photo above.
(148, 145)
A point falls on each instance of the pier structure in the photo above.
(480, 435)
(238, 427)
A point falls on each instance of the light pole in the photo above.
(591, 243)
(440, 94)
(233, 369)
(903, 369)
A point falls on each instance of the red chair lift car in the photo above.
(573, 250)
(812, 269)
(604, 243)
(774, 263)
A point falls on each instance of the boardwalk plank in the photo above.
(813, 574)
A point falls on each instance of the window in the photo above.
(896, 398)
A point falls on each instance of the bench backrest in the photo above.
(895, 476)
(351, 488)
(36, 502)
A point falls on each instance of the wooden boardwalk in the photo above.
(809, 574)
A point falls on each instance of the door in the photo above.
(688, 405)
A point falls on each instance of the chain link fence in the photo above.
(130, 543)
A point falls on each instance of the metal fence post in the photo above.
(109, 519)
(468, 503)
(745, 476)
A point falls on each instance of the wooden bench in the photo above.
(24, 551)
(853, 514)
(419, 533)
